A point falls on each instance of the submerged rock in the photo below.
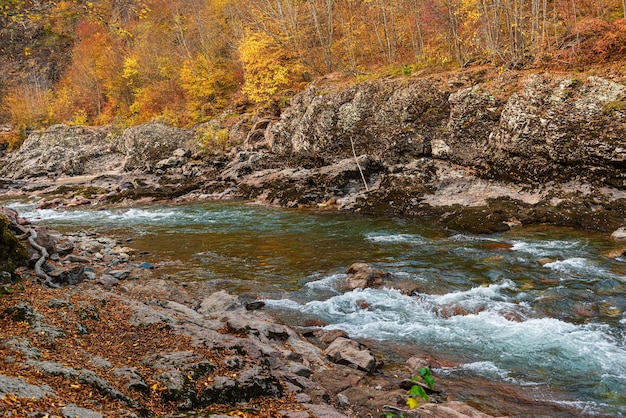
(362, 276)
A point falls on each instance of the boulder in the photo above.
(131, 378)
(46, 239)
(71, 275)
(19, 387)
(64, 150)
(12, 252)
(219, 302)
(72, 411)
(145, 145)
(353, 354)
(361, 276)
(247, 384)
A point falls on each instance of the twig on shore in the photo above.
(359, 165)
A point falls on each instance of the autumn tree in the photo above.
(268, 68)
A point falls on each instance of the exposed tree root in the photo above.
(44, 256)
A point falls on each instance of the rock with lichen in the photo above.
(12, 252)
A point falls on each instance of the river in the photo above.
(538, 308)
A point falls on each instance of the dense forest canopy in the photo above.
(183, 61)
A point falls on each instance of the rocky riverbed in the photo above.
(102, 335)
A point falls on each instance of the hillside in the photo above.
(186, 61)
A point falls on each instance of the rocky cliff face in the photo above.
(553, 128)
(470, 152)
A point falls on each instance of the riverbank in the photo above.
(477, 151)
(108, 337)
(491, 317)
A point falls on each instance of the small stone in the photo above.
(253, 306)
(327, 337)
(71, 275)
(546, 260)
(56, 303)
(343, 399)
(95, 248)
(181, 152)
(120, 274)
(100, 363)
(361, 276)
(353, 354)
(5, 277)
(146, 265)
(615, 253)
(416, 363)
(76, 259)
(303, 398)
(107, 281)
(619, 234)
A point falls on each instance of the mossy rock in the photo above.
(12, 252)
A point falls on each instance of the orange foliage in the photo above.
(183, 60)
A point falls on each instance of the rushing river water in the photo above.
(540, 308)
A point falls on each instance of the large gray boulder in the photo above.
(146, 145)
(549, 128)
(64, 150)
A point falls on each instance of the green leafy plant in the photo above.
(417, 391)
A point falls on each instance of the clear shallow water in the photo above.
(542, 307)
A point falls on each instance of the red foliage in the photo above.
(599, 40)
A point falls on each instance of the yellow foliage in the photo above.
(266, 68)
(130, 71)
(206, 85)
(412, 403)
(212, 139)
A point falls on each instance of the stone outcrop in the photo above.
(66, 151)
(63, 151)
(149, 146)
(477, 152)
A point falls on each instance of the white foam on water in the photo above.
(569, 265)
(78, 216)
(20, 206)
(384, 238)
(325, 283)
(544, 248)
(95, 217)
(556, 347)
(483, 368)
(580, 268)
(585, 408)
